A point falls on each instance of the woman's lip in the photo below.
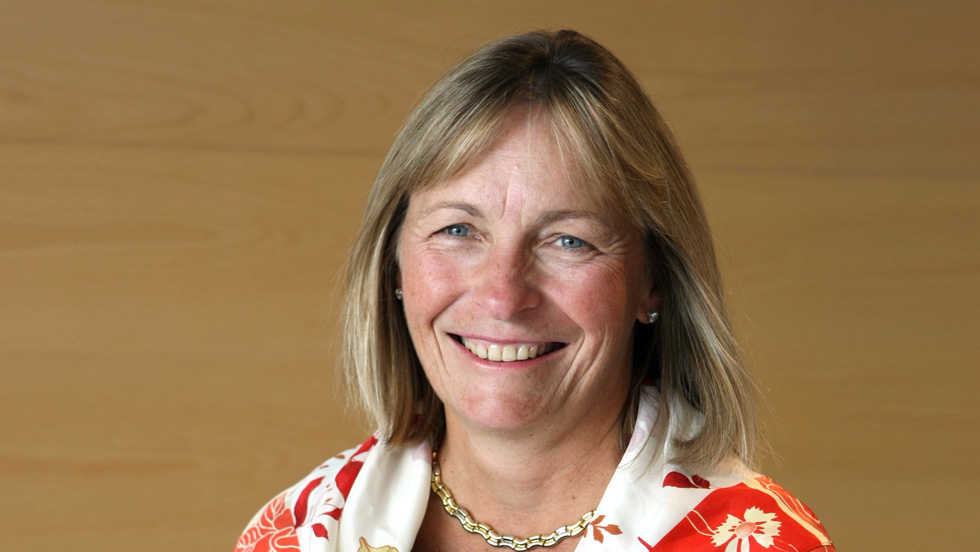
(507, 351)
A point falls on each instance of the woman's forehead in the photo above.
(531, 160)
(525, 162)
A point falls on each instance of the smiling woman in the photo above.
(535, 320)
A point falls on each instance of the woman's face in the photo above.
(520, 297)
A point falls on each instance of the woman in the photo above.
(536, 323)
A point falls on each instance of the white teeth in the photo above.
(508, 353)
(493, 352)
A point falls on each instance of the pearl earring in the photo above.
(652, 317)
(399, 293)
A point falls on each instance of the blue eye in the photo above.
(457, 230)
(570, 242)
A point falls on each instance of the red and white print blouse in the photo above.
(373, 498)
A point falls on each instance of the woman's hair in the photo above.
(620, 153)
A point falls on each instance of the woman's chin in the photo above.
(502, 415)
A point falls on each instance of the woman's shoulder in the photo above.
(740, 509)
(310, 507)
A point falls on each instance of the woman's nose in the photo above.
(504, 286)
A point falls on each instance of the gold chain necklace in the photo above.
(488, 534)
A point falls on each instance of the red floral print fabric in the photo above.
(274, 529)
(754, 515)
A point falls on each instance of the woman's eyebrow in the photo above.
(467, 208)
(548, 217)
(605, 228)
(565, 214)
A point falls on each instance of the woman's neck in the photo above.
(532, 484)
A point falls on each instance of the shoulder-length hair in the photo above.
(622, 154)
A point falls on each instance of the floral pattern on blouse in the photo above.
(754, 515)
(273, 529)
(317, 505)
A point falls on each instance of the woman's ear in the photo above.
(397, 289)
(649, 304)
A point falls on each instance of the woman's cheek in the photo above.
(438, 274)
(597, 290)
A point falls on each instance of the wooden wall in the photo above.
(180, 181)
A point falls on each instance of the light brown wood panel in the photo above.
(180, 181)
(856, 299)
(167, 338)
(801, 87)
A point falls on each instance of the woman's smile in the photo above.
(507, 351)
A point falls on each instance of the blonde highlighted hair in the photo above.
(623, 155)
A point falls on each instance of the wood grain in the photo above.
(180, 181)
